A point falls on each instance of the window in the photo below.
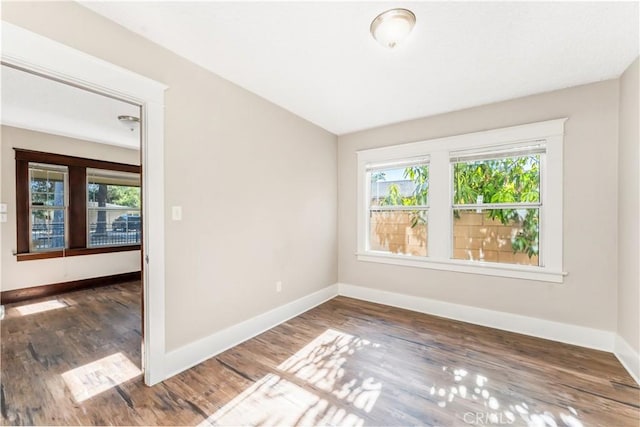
(399, 207)
(47, 206)
(487, 203)
(113, 208)
(496, 205)
(69, 206)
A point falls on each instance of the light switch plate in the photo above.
(176, 213)
(3, 207)
(3, 217)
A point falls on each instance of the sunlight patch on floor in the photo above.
(39, 307)
(277, 399)
(466, 386)
(93, 378)
(321, 363)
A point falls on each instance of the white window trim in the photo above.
(440, 191)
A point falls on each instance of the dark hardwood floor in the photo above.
(344, 363)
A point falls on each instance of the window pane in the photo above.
(112, 227)
(505, 180)
(399, 232)
(113, 208)
(400, 187)
(113, 196)
(47, 185)
(47, 229)
(506, 236)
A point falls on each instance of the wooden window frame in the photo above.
(77, 211)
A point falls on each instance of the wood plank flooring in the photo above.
(344, 363)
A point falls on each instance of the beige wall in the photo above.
(628, 209)
(17, 275)
(257, 184)
(271, 213)
(588, 297)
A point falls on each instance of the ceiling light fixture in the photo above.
(131, 122)
(391, 27)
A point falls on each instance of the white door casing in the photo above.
(35, 53)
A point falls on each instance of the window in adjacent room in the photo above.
(113, 208)
(67, 206)
(47, 206)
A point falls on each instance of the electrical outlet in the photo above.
(278, 286)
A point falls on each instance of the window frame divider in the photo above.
(516, 205)
(398, 208)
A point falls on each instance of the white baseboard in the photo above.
(629, 358)
(191, 354)
(556, 331)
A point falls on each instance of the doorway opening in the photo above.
(33, 53)
(73, 189)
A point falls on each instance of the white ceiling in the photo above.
(44, 105)
(318, 60)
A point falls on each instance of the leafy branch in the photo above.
(506, 180)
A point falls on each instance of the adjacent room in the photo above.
(320, 213)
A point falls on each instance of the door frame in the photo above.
(38, 54)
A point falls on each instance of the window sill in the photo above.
(470, 267)
(75, 252)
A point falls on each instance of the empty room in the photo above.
(320, 213)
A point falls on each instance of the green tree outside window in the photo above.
(506, 180)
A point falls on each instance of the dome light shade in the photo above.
(391, 27)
